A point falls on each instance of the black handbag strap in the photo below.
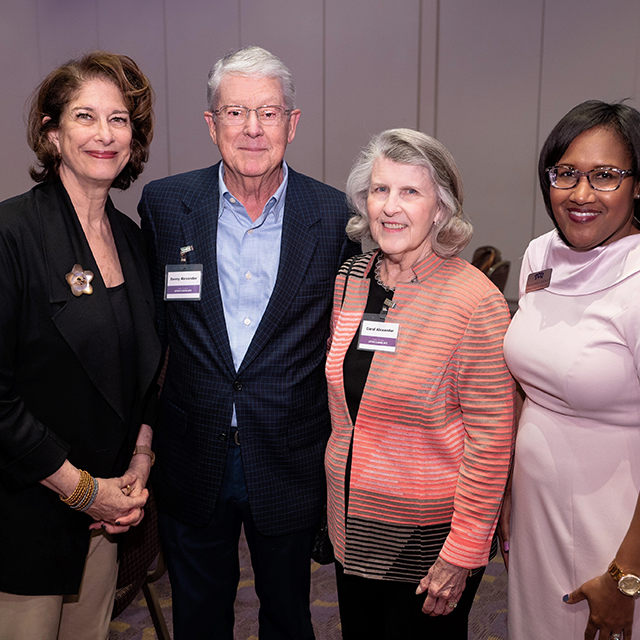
(351, 262)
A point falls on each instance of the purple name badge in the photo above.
(183, 282)
(378, 336)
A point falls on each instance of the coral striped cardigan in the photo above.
(434, 433)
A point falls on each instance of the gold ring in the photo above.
(452, 605)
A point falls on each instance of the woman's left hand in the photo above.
(114, 510)
(138, 474)
(140, 466)
(444, 583)
(609, 610)
(136, 487)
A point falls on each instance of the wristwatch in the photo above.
(627, 582)
(146, 450)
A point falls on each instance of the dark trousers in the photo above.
(388, 610)
(204, 569)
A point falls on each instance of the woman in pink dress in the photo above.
(574, 346)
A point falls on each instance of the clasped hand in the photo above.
(119, 503)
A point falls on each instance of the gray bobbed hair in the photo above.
(251, 61)
(406, 146)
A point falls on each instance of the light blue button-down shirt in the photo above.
(248, 256)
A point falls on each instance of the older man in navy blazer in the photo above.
(244, 419)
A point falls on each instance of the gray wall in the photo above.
(489, 78)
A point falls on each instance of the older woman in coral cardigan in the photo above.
(420, 397)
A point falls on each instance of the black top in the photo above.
(357, 363)
(124, 321)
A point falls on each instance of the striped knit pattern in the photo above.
(434, 433)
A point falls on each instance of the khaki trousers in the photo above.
(85, 616)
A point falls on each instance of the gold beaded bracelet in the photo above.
(85, 485)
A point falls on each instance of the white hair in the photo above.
(406, 146)
(251, 61)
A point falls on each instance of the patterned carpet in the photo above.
(488, 616)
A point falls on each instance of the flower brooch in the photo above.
(80, 281)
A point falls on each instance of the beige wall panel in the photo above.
(19, 74)
(198, 33)
(636, 84)
(293, 30)
(140, 35)
(66, 29)
(371, 76)
(487, 114)
(590, 53)
(46, 33)
(360, 67)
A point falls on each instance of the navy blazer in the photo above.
(279, 390)
(60, 390)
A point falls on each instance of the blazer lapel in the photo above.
(200, 227)
(298, 246)
(87, 322)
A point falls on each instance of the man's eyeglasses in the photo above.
(233, 114)
(606, 179)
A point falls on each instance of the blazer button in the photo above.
(237, 385)
(222, 436)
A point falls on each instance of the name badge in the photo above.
(377, 335)
(182, 281)
(538, 280)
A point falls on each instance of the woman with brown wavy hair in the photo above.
(78, 354)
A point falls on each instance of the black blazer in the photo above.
(60, 382)
(279, 391)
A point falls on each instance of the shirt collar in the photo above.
(275, 204)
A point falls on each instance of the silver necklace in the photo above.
(378, 276)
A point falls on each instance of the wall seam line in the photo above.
(166, 84)
(436, 84)
(324, 90)
(418, 123)
(538, 118)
